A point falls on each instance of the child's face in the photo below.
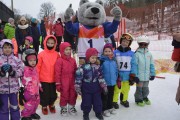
(107, 52)
(27, 42)
(93, 59)
(32, 62)
(50, 42)
(7, 49)
(125, 43)
(143, 45)
(67, 51)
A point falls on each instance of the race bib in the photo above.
(124, 63)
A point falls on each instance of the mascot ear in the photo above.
(82, 2)
(100, 2)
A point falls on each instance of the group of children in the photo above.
(99, 80)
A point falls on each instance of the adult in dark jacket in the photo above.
(1, 31)
(43, 32)
(35, 34)
(22, 30)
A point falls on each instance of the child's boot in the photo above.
(35, 116)
(44, 110)
(52, 108)
(112, 111)
(26, 118)
(140, 103)
(125, 103)
(72, 110)
(115, 105)
(99, 116)
(85, 116)
(64, 111)
(147, 101)
(106, 113)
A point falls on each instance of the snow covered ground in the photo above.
(162, 96)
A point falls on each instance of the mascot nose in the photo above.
(95, 10)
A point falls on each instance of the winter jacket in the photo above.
(9, 31)
(31, 80)
(58, 29)
(46, 61)
(35, 33)
(10, 84)
(126, 62)
(43, 29)
(109, 69)
(88, 75)
(20, 33)
(145, 64)
(65, 69)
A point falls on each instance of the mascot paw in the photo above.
(116, 11)
(68, 13)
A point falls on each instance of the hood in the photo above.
(62, 47)
(142, 50)
(45, 41)
(6, 41)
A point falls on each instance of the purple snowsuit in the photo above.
(9, 87)
(31, 94)
(90, 80)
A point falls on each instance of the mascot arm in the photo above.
(110, 27)
(72, 28)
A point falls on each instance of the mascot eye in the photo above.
(88, 6)
(100, 3)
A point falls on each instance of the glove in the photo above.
(58, 87)
(119, 83)
(152, 78)
(136, 79)
(6, 68)
(78, 89)
(105, 91)
(68, 13)
(131, 79)
(116, 11)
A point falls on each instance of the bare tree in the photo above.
(46, 10)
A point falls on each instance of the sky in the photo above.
(32, 7)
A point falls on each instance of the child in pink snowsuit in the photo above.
(31, 83)
(65, 68)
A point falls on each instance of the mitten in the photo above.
(78, 89)
(58, 87)
(136, 79)
(116, 11)
(5, 68)
(131, 79)
(152, 78)
(119, 83)
(105, 91)
(68, 13)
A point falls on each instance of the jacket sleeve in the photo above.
(58, 71)
(6, 30)
(152, 67)
(101, 78)
(17, 37)
(133, 65)
(136, 63)
(79, 76)
(72, 28)
(110, 27)
(40, 61)
(19, 68)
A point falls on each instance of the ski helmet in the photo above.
(126, 36)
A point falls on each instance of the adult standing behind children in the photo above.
(46, 63)
(9, 29)
(58, 32)
(21, 32)
(35, 34)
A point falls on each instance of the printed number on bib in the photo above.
(124, 63)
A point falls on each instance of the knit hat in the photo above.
(10, 20)
(33, 20)
(22, 18)
(91, 52)
(108, 45)
(29, 38)
(59, 19)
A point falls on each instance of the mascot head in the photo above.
(91, 13)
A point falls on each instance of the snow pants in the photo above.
(14, 108)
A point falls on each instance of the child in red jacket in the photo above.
(65, 68)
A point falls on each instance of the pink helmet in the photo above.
(29, 38)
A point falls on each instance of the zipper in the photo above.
(8, 78)
(145, 65)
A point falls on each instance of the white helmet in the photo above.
(143, 38)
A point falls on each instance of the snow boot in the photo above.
(112, 111)
(147, 101)
(85, 116)
(64, 111)
(35, 116)
(99, 116)
(106, 113)
(140, 103)
(125, 103)
(44, 110)
(52, 108)
(72, 110)
(115, 105)
(26, 118)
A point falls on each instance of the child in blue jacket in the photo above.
(110, 73)
(127, 70)
(145, 71)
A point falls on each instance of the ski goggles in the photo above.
(127, 37)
